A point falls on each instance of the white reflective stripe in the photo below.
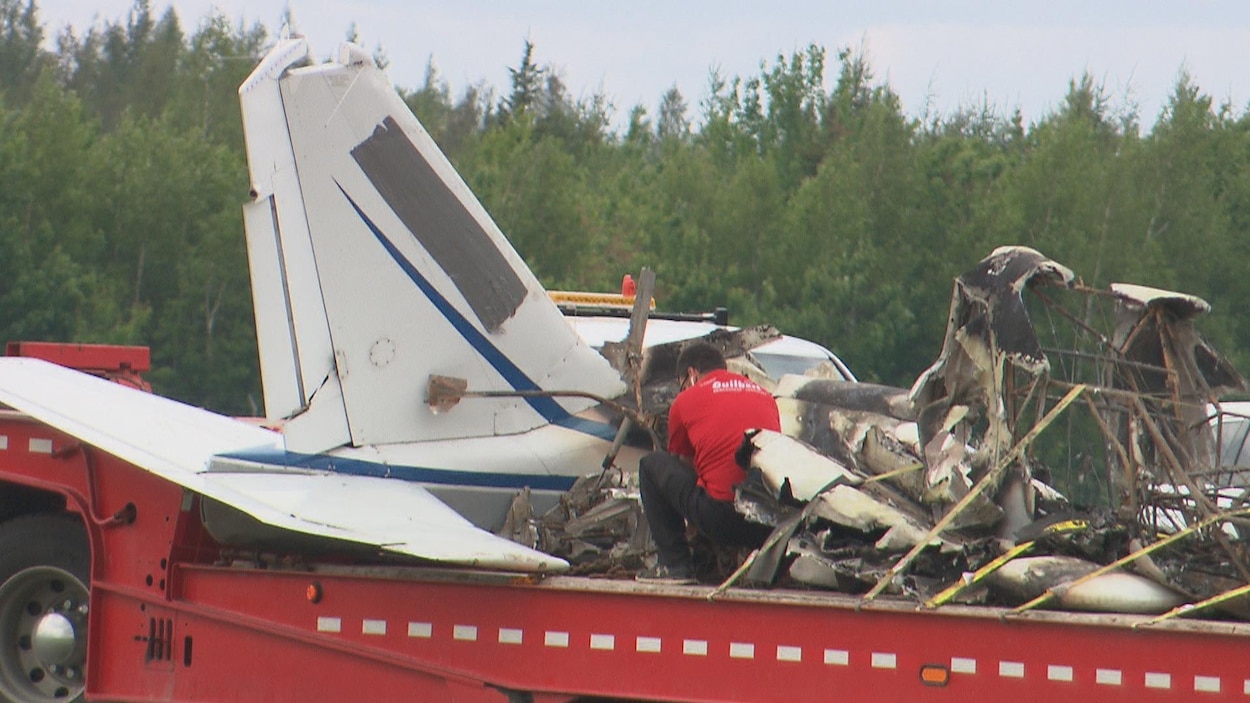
(556, 639)
(837, 657)
(696, 648)
(468, 633)
(509, 635)
(1207, 684)
(1108, 677)
(605, 642)
(4, 441)
(647, 644)
(326, 624)
(40, 446)
(1011, 670)
(787, 653)
(1245, 687)
(373, 627)
(884, 660)
(963, 665)
(420, 629)
(741, 650)
(1059, 672)
(1156, 679)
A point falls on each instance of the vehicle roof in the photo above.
(596, 331)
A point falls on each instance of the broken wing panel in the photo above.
(176, 441)
(397, 516)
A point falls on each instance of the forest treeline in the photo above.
(826, 211)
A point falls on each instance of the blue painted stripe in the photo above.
(358, 467)
(547, 407)
(594, 428)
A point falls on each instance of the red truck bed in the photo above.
(174, 617)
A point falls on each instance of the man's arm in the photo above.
(679, 443)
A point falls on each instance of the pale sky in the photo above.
(944, 54)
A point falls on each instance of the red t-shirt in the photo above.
(707, 420)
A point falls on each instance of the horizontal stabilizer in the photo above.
(178, 441)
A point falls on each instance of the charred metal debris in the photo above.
(1062, 451)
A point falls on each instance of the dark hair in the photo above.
(701, 356)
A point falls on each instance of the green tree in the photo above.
(21, 53)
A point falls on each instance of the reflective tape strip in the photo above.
(789, 654)
(1011, 670)
(837, 657)
(1058, 672)
(1108, 677)
(1207, 684)
(40, 446)
(508, 635)
(4, 441)
(963, 665)
(647, 644)
(1156, 680)
(884, 660)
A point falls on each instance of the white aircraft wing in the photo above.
(176, 441)
(392, 514)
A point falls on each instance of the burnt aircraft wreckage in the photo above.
(947, 492)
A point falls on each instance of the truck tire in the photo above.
(45, 563)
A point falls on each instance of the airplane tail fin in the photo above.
(374, 267)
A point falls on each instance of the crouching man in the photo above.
(694, 481)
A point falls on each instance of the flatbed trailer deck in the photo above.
(174, 616)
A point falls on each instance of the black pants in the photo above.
(671, 497)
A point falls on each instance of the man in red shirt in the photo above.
(694, 481)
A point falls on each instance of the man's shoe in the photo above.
(667, 575)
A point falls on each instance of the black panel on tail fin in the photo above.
(440, 222)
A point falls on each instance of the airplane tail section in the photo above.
(374, 267)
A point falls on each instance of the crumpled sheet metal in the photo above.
(988, 319)
(988, 328)
(1155, 328)
(913, 453)
(657, 379)
(798, 471)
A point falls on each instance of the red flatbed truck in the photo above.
(111, 587)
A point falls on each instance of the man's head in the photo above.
(698, 358)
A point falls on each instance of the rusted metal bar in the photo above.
(1099, 357)
(1204, 505)
(1129, 469)
(1074, 319)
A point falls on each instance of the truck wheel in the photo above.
(44, 571)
